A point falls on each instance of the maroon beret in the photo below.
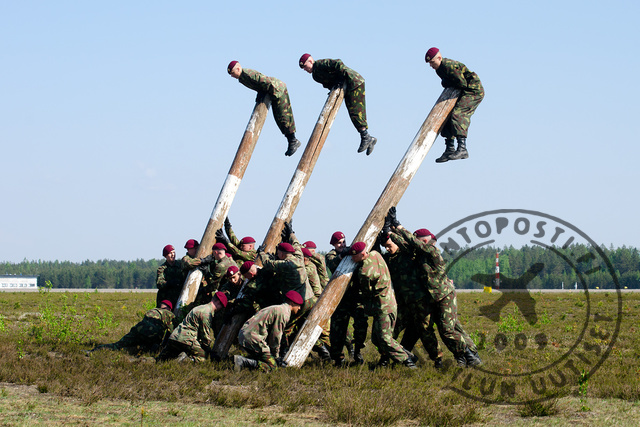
(219, 246)
(246, 240)
(309, 244)
(246, 266)
(357, 247)
(431, 53)
(231, 65)
(286, 247)
(336, 237)
(422, 232)
(168, 303)
(294, 297)
(303, 59)
(167, 249)
(191, 243)
(232, 270)
(306, 252)
(222, 297)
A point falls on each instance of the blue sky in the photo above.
(118, 121)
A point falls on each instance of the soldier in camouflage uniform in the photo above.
(261, 336)
(350, 306)
(231, 288)
(240, 249)
(432, 269)
(148, 334)
(257, 290)
(331, 73)
(319, 262)
(170, 277)
(277, 91)
(190, 261)
(216, 266)
(193, 337)
(374, 281)
(415, 304)
(456, 75)
(311, 265)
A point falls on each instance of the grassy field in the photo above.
(568, 367)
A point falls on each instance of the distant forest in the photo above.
(559, 267)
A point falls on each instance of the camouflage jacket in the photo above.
(257, 293)
(290, 272)
(374, 281)
(263, 332)
(217, 270)
(231, 290)
(234, 248)
(330, 72)
(169, 281)
(431, 265)
(321, 268)
(156, 323)
(197, 326)
(404, 275)
(189, 263)
(314, 279)
(455, 74)
(261, 83)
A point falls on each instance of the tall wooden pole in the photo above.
(391, 195)
(288, 205)
(225, 198)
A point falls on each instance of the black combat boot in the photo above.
(461, 360)
(350, 349)
(241, 363)
(412, 357)
(293, 144)
(448, 151)
(367, 142)
(384, 361)
(409, 363)
(472, 358)
(323, 352)
(461, 152)
(437, 363)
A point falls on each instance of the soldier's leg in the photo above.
(266, 362)
(338, 331)
(382, 337)
(357, 107)
(283, 113)
(446, 317)
(360, 327)
(460, 118)
(196, 352)
(425, 319)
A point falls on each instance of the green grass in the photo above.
(44, 335)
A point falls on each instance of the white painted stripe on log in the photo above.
(346, 266)
(195, 277)
(298, 354)
(227, 193)
(296, 187)
(415, 155)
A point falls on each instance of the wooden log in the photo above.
(229, 331)
(225, 198)
(391, 195)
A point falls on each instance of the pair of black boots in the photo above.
(450, 153)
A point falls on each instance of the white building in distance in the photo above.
(18, 283)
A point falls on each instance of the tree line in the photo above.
(577, 264)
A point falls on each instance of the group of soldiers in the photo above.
(333, 73)
(403, 288)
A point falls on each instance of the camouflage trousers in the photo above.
(266, 361)
(173, 348)
(283, 113)
(339, 332)
(382, 337)
(449, 326)
(457, 125)
(147, 335)
(416, 320)
(357, 107)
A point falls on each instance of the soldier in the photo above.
(456, 75)
(415, 303)
(148, 334)
(243, 249)
(261, 336)
(277, 91)
(189, 261)
(216, 266)
(317, 286)
(170, 277)
(319, 262)
(331, 73)
(434, 275)
(374, 281)
(231, 287)
(349, 307)
(257, 291)
(193, 337)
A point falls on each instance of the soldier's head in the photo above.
(284, 249)
(425, 235)
(192, 247)
(387, 243)
(307, 255)
(306, 62)
(311, 246)
(358, 252)
(169, 253)
(219, 300)
(234, 69)
(249, 270)
(233, 275)
(166, 305)
(247, 244)
(295, 301)
(219, 251)
(338, 241)
(433, 57)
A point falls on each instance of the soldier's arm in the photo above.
(321, 268)
(207, 336)
(275, 336)
(161, 281)
(189, 263)
(455, 75)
